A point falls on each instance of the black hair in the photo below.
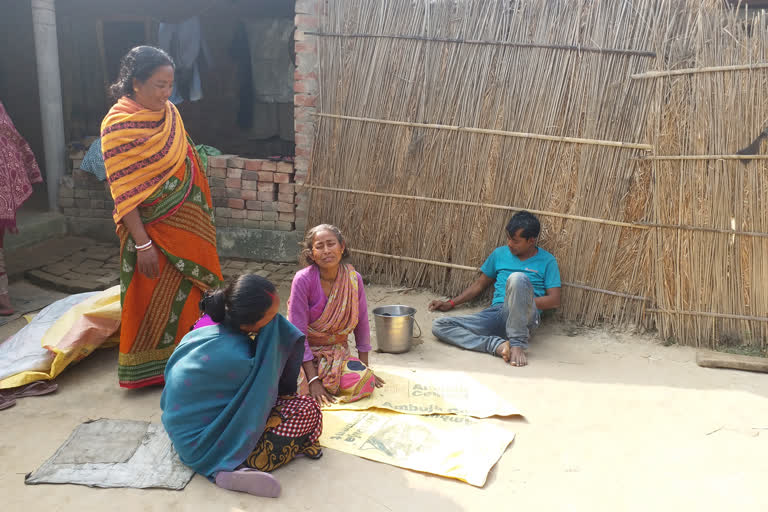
(305, 256)
(139, 63)
(243, 302)
(525, 221)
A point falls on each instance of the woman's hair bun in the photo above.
(214, 304)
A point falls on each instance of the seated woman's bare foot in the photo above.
(5, 305)
(503, 351)
(517, 357)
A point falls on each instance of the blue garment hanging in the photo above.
(184, 42)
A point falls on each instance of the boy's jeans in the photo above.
(513, 320)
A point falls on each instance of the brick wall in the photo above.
(247, 193)
(252, 193)
(83, 196)
(305, 88)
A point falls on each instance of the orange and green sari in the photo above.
(152, 165)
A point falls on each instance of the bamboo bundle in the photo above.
(709, 288)
(432, 79)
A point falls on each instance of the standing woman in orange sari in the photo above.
(328, 304)
(163, 213)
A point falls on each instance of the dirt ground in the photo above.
(612, 422)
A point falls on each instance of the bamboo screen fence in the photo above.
(440, 118)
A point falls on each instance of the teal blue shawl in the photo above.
(220, 387)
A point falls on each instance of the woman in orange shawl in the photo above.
(163, 214)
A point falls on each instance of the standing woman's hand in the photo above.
(148, 262)
(148, 258)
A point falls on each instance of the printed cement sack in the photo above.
(452, 446)
(431, 392)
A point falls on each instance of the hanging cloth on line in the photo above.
(184, 42)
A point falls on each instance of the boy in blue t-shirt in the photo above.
(527, 280)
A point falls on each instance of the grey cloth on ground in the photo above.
(115, 453)
(514, 320)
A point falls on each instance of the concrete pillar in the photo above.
(49, 84)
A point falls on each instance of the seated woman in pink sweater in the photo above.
(327, 304)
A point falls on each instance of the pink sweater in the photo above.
(308, 302)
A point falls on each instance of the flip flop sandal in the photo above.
(37, 388)
(7, 312)
(249, 480)
(6, 402)
(274, 158)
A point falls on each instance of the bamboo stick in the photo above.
(691, 71)
(656, 282)
(714, 359)
(702, 157)
(636, 225)
(504, 133)
(607, 292)
(483, 205)
(576, 48)
(704, 229)
(708, 314)
(416, 260)
(477, 269)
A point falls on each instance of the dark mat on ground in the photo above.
(115, 453)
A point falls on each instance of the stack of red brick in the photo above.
(82, 195)
(252, 193)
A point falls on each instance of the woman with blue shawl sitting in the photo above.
(229, 403)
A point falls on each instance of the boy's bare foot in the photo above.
(503, 351)
(517, 357)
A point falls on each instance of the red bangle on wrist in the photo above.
(453, 304)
